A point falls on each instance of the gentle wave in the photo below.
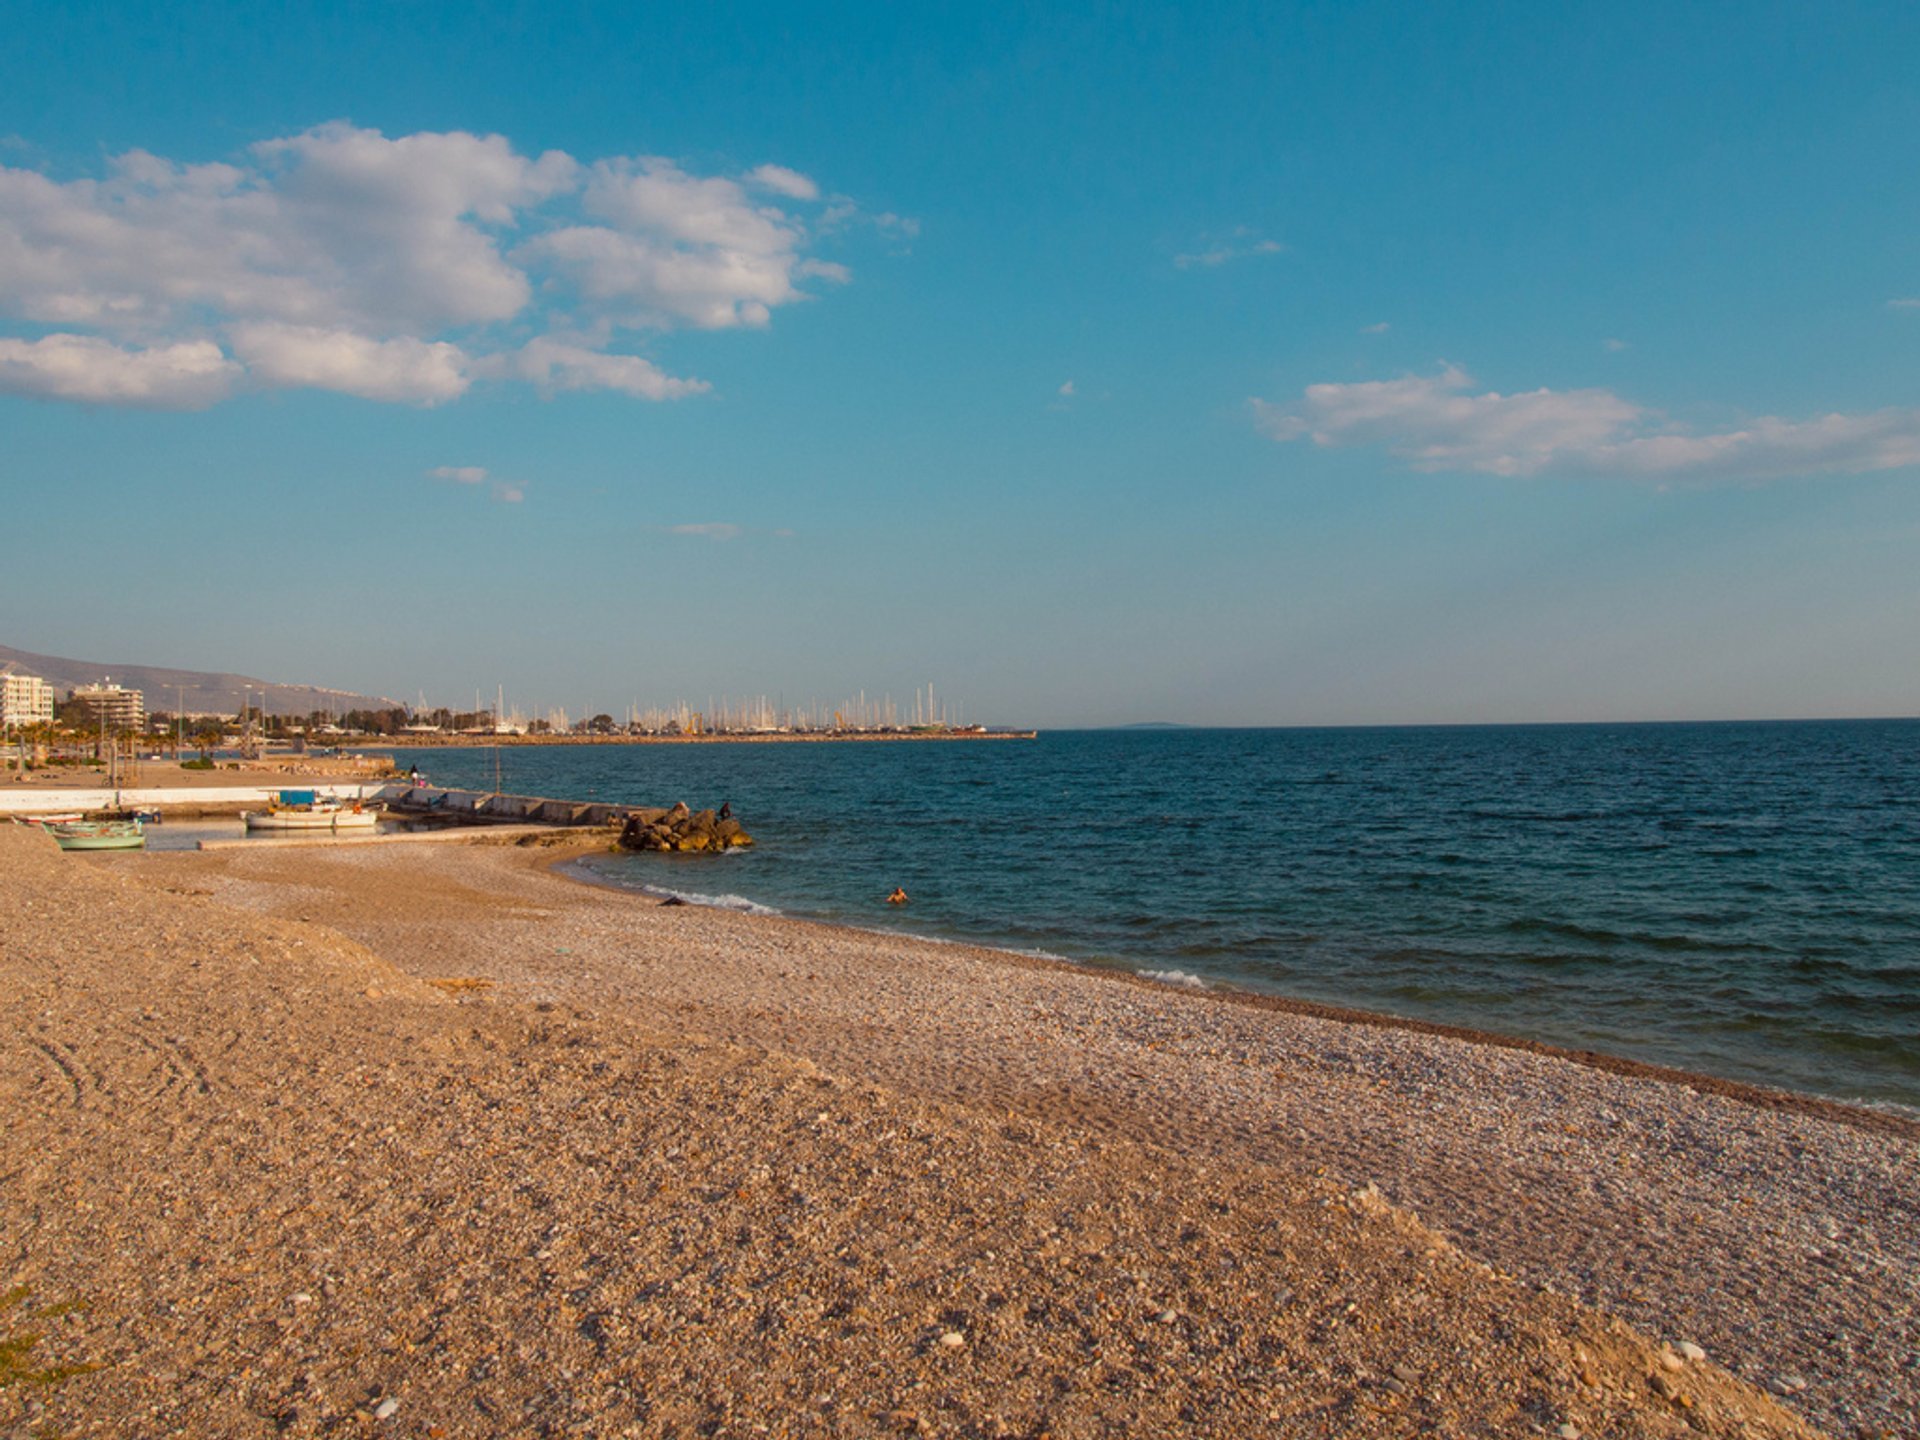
(716, 902)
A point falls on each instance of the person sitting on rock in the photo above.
(899, 896)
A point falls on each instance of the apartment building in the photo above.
(114, 706)
(24, 699)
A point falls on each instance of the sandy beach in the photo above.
(432, 1140)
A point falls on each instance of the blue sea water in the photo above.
(1737, 899)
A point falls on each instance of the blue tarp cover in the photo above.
(296, 797)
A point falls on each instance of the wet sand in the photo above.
(634, 1169)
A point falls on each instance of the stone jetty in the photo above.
(682, 829)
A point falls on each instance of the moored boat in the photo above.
(305, 810)
(98, 834)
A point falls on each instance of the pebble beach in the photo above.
(437, 1140)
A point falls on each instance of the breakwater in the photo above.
(678, 828)
(485, 807)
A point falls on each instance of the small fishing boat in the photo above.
(69, 817)
(98, 834)
(304, 810)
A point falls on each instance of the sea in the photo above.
(1738, 899)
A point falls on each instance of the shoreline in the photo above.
(1862, 1115)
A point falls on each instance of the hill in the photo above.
(194, 691)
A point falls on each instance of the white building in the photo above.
(115, 706)
(24, 699)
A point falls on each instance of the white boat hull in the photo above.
(310, 819)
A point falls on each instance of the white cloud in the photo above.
(553, 365)
(1913, 304)
(1239, 243)
(477, 475)
(1379, 327)
(646, 283)
(711, 530)
(1614, 347)
(903, 227)
(782, 181)
(392, 268)
(657, 197)
(418, 372)
(1434, 423)
(1065, 392)
(398, 224)
(188, 376)
(680, 248)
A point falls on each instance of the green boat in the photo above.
(99, 835)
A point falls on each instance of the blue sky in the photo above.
(1231, 364)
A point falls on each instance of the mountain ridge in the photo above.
(194, 691)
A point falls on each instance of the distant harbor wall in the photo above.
(24, 801)
(810, 737)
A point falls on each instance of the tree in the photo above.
(601, 724)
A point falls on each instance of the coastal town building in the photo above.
(113, 706)
(24, 699)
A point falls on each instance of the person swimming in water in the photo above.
(899, 896)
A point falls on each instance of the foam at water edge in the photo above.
(966, 944)
(716, 902)
(1176, 977)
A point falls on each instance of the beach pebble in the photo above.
(1568, 1431)
(953, 1340)
(1786, 1384)
(1690, 1351)
(1167, 1317)
(302, 1299)
(386, 1408)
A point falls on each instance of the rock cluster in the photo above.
(681, 829)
